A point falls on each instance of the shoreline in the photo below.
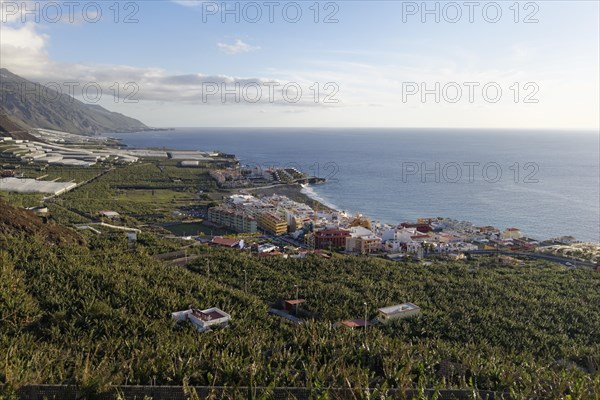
(294, 191)
(310, 195)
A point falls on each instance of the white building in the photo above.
(203, 320)
(511, 233)
(399, 311)
(404, 235)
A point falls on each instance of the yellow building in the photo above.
(272, 223)
(361, 221)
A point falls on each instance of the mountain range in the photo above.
(27, 105)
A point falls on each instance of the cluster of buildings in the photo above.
(276, 215)
(250, 176)
(210, 318)
(337, 231)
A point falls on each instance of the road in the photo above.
(539, 256)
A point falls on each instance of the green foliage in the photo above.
(148, 191)
(100, 316)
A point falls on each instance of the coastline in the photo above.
(294, 192)
(355, 193)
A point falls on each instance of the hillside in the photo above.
(32, 105)
(100, 316)
(9, 128)
(20, 222)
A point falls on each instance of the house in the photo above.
(363, 244)
(273, 254)
(203, 320)
(225, 242)
(456, 256)
(401, 235)
(399, 311)
(360, 220)
(362, 241)
(266, 248)
(292, 305)
(355, 323)
(423, 228)
(511, 233)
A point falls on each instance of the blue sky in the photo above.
(375, 53)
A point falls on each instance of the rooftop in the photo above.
(209, 314)
(399, 308)
(294, 302)
(221, 241)
(355, 323)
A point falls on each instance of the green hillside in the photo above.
(99, 315)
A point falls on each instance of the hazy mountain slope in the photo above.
(9, 128)
(36, 106)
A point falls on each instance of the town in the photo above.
(290, 222)
(229, 206)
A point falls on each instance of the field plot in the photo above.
(148, 192)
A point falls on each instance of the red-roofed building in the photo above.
(419, 237)
(292, 305)
(331, 238)
(355, 323)
(424, 228)
(224, 242)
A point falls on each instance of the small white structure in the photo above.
(266, 248)
(203, 320)
(189, 164)
(399, 311)
(109, 214)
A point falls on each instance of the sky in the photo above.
(193, 63)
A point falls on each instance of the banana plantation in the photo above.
(97, 314)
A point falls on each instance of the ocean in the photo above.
(546, 183)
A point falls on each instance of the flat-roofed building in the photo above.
(272, 223)
(363, 244)
(355, 323)
(231, 218)
(203, 320)
(398, 311)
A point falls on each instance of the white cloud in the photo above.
(23, 52)
(370, 93)
(23, 48)
(236, 48)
